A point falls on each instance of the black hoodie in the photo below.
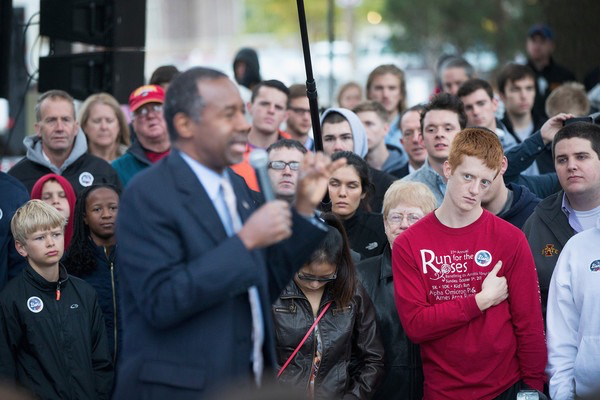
(252, 73)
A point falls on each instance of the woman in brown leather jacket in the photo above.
(342, 356)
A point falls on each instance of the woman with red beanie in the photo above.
(58, 192)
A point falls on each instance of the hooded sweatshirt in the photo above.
(36, 193)
(80, 168)
(359, 134)
(380, 179)
(252, 73)
(573, 319)
(522, 205)
(35, 154)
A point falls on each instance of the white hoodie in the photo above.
(573, 319)
(359, 134)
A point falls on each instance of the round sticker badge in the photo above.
(483, 258)
(35, 304)
(595, 266)
(86, 179)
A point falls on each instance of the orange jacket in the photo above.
(245, 170)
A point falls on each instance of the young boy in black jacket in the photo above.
(52, 335)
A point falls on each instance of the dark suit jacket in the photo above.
(184, 285)
(12, 196)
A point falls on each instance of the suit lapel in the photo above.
(195, 198)
(245, 204)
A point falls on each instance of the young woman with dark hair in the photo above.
(92, 254)
(350, 188)
(327, 339)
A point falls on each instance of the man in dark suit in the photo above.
(12, 196)
(195, 289)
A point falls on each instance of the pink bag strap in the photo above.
(304, 339)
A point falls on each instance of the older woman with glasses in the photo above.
(323, 321)
(404, 204)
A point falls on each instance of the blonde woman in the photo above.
(404, 204)
(105, 126)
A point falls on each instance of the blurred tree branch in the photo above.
(433, 27)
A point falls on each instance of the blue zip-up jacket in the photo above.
(104, 280)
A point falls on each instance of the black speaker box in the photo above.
(116, 72)
(109, 23)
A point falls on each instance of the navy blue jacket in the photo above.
(520, 157)
(12, 196)
(105, 280)
(184, 285)
(523, 204)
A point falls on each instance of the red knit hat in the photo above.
(36, 193)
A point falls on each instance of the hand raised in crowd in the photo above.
(268, 225)
(313, 177)
(494, 289)
(553, 125)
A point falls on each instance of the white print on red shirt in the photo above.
(452, 272)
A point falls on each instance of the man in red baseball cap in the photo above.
(152, 139)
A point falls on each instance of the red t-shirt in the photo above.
(469, 354)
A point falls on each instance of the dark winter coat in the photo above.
(403, 368)
(52, 338)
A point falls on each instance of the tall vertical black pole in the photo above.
(331, 38)
(311, 87)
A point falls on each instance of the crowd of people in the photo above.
(447, 250)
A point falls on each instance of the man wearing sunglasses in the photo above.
(285, 157)
(152, 139)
